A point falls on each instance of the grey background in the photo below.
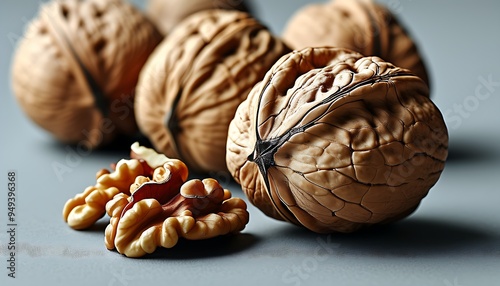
(452, 239)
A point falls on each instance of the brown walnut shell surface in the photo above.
(335, 141)
(167, 14)
(360, 25)
(75, 70)
(193, 82)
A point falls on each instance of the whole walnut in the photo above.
(75, 70)
(335, 141)
(193, 82)
(166, 14)
(360, 25)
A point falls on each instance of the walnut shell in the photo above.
(75, 70)
(334, 141)
(166, 14)
(360, 25)
(193, 82)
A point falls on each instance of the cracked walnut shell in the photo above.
(75, 70)
(193, 82)
(360, 25)
(159, 213)
(335, 141)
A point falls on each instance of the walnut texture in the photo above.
(86, 208)
(75, 70)
(335, 141)
(196, 210)
(193, 82)
(360, 25)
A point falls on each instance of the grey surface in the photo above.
(452, 239)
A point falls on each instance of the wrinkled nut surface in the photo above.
(334, 141)
(193, 82)
(75, 70)
(86, 208)
(158, 214)
(360, 25)
(167, 14)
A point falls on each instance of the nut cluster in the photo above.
(151, 203)
(334, 136)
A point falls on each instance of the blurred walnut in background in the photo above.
(359, 25)
(193, 82)
(166, 14)
(75, 70)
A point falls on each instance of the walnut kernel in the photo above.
(197, 210)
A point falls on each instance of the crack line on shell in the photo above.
(330, 100)
(271, 148)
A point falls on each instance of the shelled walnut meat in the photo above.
(86, 208)
(335, 141)
(360, 25)
(193, 82)
(158, 214)
(167, 14)
(75, 70)
(151, 203)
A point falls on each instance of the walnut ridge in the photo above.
(335, 141)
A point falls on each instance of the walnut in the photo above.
(193, 82)
(335, 141)
(86, 208)
(160, 212)
(360, 25)
(167, 14)
(75, 70)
